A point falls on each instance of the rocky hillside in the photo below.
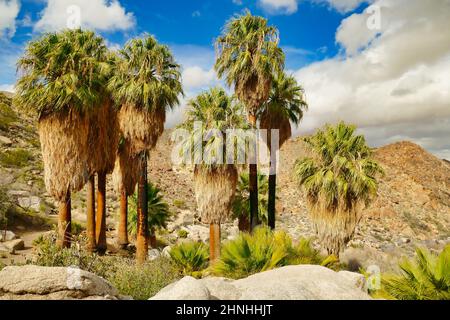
(413, 207)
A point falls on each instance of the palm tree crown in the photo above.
(286, 105)
(146, 75)
(248, 55)
(342, 172)
(63, 71)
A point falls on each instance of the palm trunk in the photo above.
(101, 213)
(142, 222)
(153, 238)
(90, 224)
(272, 196)
(214, 241)
(243, 223)
(253, 184)
(123, 223)
(65, 222)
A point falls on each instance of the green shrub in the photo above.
(427, 277)
(5, 204)
(143, 282)
(7, 114)
(182, 233)
(265, 250)
(191, 257)
(180, 204)
(77, 228)
(16, 158)
(48, 254)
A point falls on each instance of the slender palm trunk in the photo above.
(253, 184)
(123, 223)
(90, 223)
(65, 222)
(214, 241)
(101, 213)
(142, 222)
(243, 223)
(271, 207)
(153, 238)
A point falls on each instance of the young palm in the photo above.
(62, 82)
(158, 213)
(286, 105)
(145, 82)
(339, 180)
(247, 56)
(214, 179)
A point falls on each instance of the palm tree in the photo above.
(339, 180)
(145, 82)
(62, 82)
(158, 213)
(241, 204)
(286, 104)
(247, 56)
(214, 180)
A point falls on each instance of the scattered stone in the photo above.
(166, 251)
(153, 254)
(5, 141)
(6, 235)
(15, 245)
(31, 202)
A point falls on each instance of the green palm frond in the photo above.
(192, 257)
(145, 75)
(64, 71)
(158, 210)
(427, 277)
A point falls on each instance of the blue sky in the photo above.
(380, 64)
(307, 34)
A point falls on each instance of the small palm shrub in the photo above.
(265, 250)
(143, 281)
(158, 211)
(191, 257)
(427, 277)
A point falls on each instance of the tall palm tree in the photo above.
(214, 179)
(286, 105)
(247, 56)
(62, 82)
(145, 82)
(339, 180)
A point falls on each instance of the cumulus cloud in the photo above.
(291, 6)
(393, 82)
(194, 77)
(279, 6)
(101, 15)
(9, 9)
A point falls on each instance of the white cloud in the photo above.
(9, 9)
(279, 6)
(238, 2)
(7, 87)
(195, 77)
(344, 5)
(101, 15)
(394, 85)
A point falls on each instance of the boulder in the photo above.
(302, 282)
(6, 235)
(14, 245)
(187, 288)
(153, 254)
(5, 141)
(31, 202)
(53, 283)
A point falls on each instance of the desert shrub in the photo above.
(265, 250)
(191, 257)
(5, 204)
(143, 281)
(427, 277)
(182, 233)
(48, 254)
(77, 228)
(180, 204)
(7, 114)
(15, 158)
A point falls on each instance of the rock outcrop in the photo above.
(302, 282)
(53, 283)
